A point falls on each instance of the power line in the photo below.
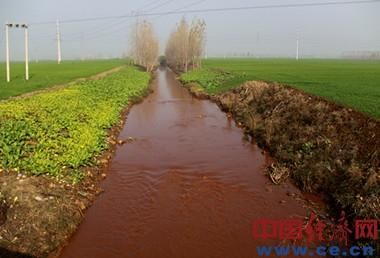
(210, 10)
(190, 5)
(160, 5)
(112, 27)
(184, 7)
(90, 34)
(147, 5)
(86, 36)
(100, 33)
(116, 27)
(96, 29)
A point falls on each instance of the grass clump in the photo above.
(327, 149)
(211, 80)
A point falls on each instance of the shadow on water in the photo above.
(188, 186)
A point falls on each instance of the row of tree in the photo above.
(184, 50)
(186, 45)
(145, 46)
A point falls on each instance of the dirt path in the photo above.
(185, 185)
(97, 76)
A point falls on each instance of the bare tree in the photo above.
(196, 42)
(186, 45)
(144, 45)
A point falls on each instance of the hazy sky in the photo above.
(324, 31)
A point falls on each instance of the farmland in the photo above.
(160, 128)
(62, 130)
(354, 84)
(49, 73)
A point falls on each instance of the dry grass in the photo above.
(328, 149)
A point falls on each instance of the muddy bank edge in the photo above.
(38, 214)
(324, 147)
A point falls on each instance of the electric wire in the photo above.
(211, 10)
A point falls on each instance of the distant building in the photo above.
(367, 55)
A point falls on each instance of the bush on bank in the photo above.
(328, 149)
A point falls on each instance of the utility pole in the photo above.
(58, 43)
(26, 52)
(7, 50)
(298, 46)
(81, 46)
(17, 25)
(137, 61)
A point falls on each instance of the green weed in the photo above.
(63, 130)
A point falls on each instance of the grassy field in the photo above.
(59, 131)
(45, 74)
(354, 84)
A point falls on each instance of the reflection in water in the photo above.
(189, 186)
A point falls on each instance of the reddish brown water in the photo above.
(188, 186)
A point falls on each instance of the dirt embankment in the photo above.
(39, 213)
(324, 147)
